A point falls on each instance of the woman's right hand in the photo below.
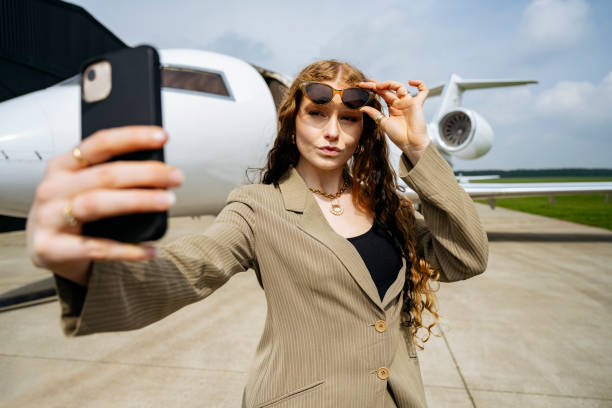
(102, 189)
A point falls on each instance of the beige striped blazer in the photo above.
(328, 340)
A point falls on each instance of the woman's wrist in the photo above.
(414, 154)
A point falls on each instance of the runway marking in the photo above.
(467, 389)
(80, 360)
(30, 303)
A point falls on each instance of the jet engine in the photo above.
(464, 134)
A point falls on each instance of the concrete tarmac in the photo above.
(535, 330)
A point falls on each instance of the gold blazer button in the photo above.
(382, 373)
(380, 326)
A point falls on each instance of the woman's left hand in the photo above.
(406, 125)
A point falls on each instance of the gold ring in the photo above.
(76, 153)
(379, 119)
(68, 217)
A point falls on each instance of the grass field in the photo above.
(588, 209)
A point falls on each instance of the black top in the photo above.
(382, 258)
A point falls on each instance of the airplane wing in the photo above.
(44, 42)
(497, 190)
(465, 84)
(491, 191)
(435, 91)
(466, 179)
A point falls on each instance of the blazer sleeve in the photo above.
(450, 237)
(124, 295)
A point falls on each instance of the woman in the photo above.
(344, 263)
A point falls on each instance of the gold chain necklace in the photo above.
(335, 208)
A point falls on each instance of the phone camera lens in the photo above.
(91, 75)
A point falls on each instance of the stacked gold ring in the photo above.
(76, 153)
(68, 217)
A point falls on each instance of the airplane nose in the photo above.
(35, 127)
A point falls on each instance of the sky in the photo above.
(563, 121)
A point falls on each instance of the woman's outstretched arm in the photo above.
(105, 285)
(129, 295)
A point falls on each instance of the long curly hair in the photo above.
(374, 188)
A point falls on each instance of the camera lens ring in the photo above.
(91, 74)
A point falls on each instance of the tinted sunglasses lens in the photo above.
(319, 93)
(355, 97)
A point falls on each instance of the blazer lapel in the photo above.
(396, 287)
(299, 199)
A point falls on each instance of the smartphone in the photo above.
(122, 88)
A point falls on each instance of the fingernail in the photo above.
(152, 252)
(171, 198)
(176, 176)
(159, 135)
(167, 198)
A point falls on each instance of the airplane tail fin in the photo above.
(453, 90)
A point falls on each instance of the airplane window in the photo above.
(194, 80)
(181, 78)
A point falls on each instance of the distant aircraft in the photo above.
(220, 113)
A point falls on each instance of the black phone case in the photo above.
(135, 99)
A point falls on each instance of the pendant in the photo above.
(336, 209)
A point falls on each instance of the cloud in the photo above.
(561, 43)
(242, 47)
(395, 39)
(579, 101)
(503, 106)
(553, 25)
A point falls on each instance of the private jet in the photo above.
(220, 112)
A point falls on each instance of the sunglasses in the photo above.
(320, 94)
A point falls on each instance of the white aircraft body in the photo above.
(221, 126)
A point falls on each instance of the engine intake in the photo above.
(465, 134)
(455, 128)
